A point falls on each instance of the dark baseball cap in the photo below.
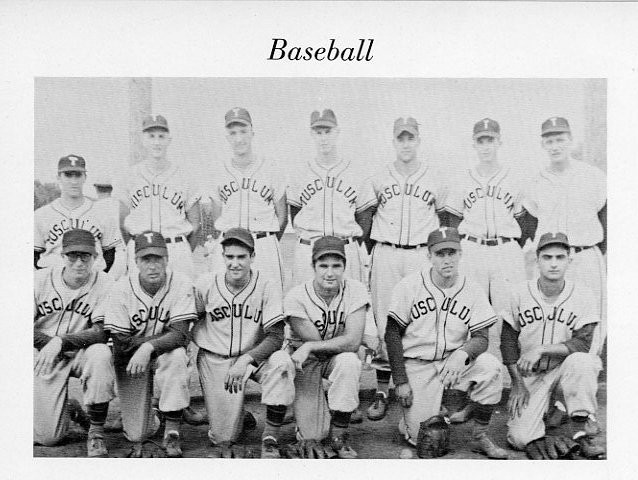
(71, 163)
(238, 115)
(154, 121)
(405, 124)
(325, 118)
(555, 238)
(240, 235)
(555, 125)
(150, 243)
(486, 128)
(329, 246)
(78, 240)
(444, 237)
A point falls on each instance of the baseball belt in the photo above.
(259, 235)
(490, 242)
(405, 247)
(580, 249)
(177, 239)
(303, 241)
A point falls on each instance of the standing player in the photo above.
(249, 193)
(239, 335)
(71, 211)
(489, 199)
(545, 344)
(156, 196)
(148, 317)
(437, 335)
(103, 191)
(327, 318)
(410, 196)
(570, 196)
(69, 336)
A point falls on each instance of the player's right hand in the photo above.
(403, 393)
(518, 399)
(140, 360)
(48, 357)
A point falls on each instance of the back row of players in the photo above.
(392, 214)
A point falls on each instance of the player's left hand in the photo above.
(300, 356)
(454, 366)
(528, 360)
(138, 363)
(48, 357)
(234, 381)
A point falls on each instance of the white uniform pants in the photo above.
(94, 368)
(482, 379)
(577, 378)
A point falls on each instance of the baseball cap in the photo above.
(154, 121)
(72, 163)
(486, 128)
(103, 181)
(240, 235)
(328, 246)
(150, 243)
(405, 124)
(555, 125)
(78, 240)
(444, 237)
(326, 118)
(238, 115)
(552, 238)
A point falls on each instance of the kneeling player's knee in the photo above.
(582, 362)
(176, 358)
(348, 363)
(99, 353)
(518, 439)
(280, 360)
(48, 439)
(490, 368)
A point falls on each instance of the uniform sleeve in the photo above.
(449, 194)
(278, 182)
(360, 297)
(112, 236)
(39, 239)
(292, 193)
(200, 292)
(482, 312)
(530, 202)
(401, 303)
(519, 199)
(183, 305)
(293, 305)
(366, 197)
(599, 188)
(116, 318)
(272, 306)
(587, 313)
(510, 313)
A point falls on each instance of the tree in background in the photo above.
(44, 193)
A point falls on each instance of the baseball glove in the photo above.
(434, 437)
(552, 447)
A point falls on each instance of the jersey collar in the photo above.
(254, 166)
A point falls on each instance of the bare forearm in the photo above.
(83, 339)
(270, 344)
(333, 346)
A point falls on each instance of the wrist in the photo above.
(148, 346)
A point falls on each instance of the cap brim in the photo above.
(79, 248)
(558, 242)
(71, 169)
(240, 240)
(399, 131)
(323, 253)
(149, 127)
(323, 123)
(443, 245)
(485, 134)
(238, 120)
(159, 251)
(556, 130)
(102, 184)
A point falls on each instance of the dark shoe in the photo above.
(193, 417)
(356, 417)
(96, 446)
(171, 444)
(341, 447)
(379, 407)
(270, 448)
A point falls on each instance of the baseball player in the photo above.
(545, 343)
(570, 196)
(410, 197)
(327, 315)
(70, 341)
(436, 336)
(71, 211)
(249, 193)
(148, 317)
(240, 334)
(156, 196)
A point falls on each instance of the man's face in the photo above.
(557, 146)
(78, 264)
(329, 270)
(325, 139)
(240, 138)
(487, 148)
(238, 260)
(156, 142)
(446, 262)
(152, 269)
(71, 183)
(406, 146)
(553, 261)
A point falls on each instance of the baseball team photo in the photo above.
(320, 268)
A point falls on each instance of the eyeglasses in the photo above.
(74, 256)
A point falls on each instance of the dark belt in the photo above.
(580, 249)
(490, 242)
(303, 241)
(262, 234)
(405, 247)
(179, 238)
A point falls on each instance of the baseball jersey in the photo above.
(489, 205)
(437, 321)
(59, 310)
(158, 202)
(235, 323)
(330, 320)
(569, 202)
(407, 206)
(328, 198)
(134, 312)
(541, 323)
(52, 220)
(248, 197)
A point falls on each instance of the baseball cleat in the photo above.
(356, 417)
(270, 448)
(378, 409)
(171, 444)
(96, 446)
(485, 446)
(341, 447)
(193, 417)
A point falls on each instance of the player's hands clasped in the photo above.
(140, 360)
(454, 366)
(528, 360)
(48, 357)
(234, 381)
(300, 356)
(518, 399)
(403, 393)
